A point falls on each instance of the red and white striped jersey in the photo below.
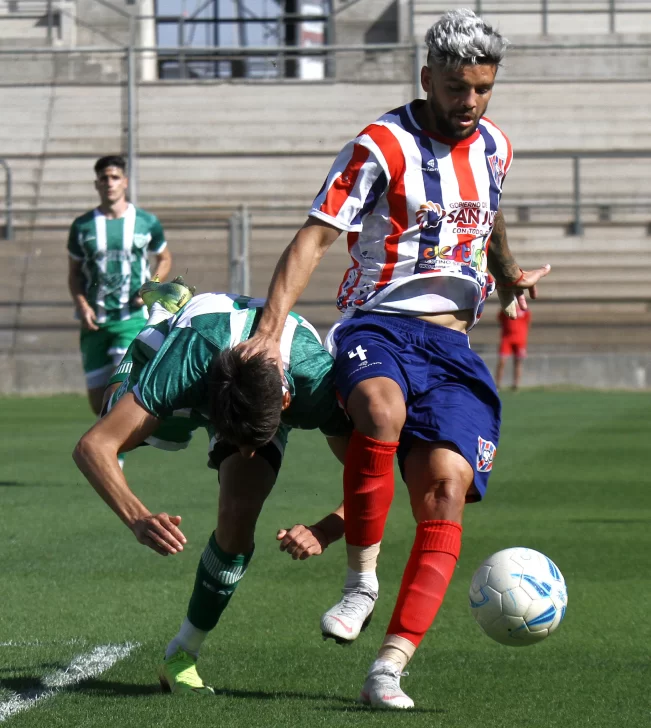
(419, 212)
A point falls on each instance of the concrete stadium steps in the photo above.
(581, 17)
(216, 143)
(548, 115)
(594, 299)
(262, 117)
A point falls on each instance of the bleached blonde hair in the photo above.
(461, 38)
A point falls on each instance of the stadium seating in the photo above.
(205, 149)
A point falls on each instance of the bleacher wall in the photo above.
(212, 147)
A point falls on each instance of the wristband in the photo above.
(512, 285)
(324, 535)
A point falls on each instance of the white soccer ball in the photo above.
(518, 596)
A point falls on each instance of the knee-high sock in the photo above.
(217, 578)
(368, 489)
(426, 578)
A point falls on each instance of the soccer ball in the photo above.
(518, 596)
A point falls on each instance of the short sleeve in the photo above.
(157, 243)
(176, 378)
(74, 248)
(314, 403)
(124, 367)
(356, 181)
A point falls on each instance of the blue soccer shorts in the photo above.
(449, 392)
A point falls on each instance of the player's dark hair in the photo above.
(113, 160)
(245, 398)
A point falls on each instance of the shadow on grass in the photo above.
(277, 694)
(613, 521)
(107, 687)
(26, 683)
(354, 708)
(7, 483)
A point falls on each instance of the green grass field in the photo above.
(571, 479)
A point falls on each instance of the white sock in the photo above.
(366, 579)
(188, 639)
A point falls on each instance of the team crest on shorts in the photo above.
(485, 455)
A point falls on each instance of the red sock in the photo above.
(368, 488)
(426, 578)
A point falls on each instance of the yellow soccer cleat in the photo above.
(172, 296)
(178, 674)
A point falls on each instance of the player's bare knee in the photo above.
(443, 498)
(377, 411)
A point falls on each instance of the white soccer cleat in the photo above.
(349, 616)
(382, 688)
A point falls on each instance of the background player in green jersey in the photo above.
(108, 263)
(183, 374)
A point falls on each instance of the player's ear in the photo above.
(287, 398)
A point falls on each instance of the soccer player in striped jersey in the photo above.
(108, 250)
(182, 374)
(417, 193)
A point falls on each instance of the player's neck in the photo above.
(114, 210)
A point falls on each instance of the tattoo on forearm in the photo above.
(501, 263)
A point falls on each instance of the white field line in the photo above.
(81, 668)
(44, 643)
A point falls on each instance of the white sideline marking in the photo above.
(44, 643)
(81, 668)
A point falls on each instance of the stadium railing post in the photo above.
(9, 221)
(131, 122)
(577, 225)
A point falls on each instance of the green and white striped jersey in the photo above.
(168, 364)
(114, 256)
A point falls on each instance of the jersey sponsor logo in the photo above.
(485, 455)
(498, 168)
(88, 238)
(109, 283)
(113, 256)
(430, 215)
(140, 239)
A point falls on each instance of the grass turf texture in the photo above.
(571, 480)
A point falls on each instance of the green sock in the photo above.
(217, 578)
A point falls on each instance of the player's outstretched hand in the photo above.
(301, 542)
(513, 295)
(160, 532)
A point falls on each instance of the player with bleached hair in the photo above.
(181, 374)
(417, 193)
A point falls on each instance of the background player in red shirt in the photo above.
(513, 342)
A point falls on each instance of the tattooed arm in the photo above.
(501, 263)
(511, 280)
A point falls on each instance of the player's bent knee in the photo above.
(378, 408)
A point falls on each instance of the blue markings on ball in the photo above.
(556, 574)
(474, 604)
(547, 617)
(543, 588)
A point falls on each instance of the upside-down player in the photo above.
(182, 374)
(417, 193)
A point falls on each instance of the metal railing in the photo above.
(546, 9)
(9, 214)
(578, 204)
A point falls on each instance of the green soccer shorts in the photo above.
(102, 351)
